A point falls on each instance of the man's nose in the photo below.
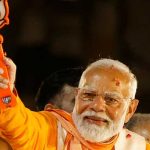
(98, 104)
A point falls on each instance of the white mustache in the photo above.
(98, 115)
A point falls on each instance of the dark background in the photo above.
(47, 35)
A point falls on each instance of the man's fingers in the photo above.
(1, 71)
(3, 86)
(11, 68)
(3, 80)
(9, 63)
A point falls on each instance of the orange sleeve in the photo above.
(147, 146)
(28, 130)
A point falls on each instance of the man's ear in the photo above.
(131, 110)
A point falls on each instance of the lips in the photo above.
(95, 120)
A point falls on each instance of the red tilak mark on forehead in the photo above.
(117, 81)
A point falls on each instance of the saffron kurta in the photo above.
(28, 130)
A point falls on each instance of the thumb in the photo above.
(11, 68)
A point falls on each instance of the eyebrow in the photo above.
(107, 93)
(89, 89)
(112, 94)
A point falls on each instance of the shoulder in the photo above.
(130, 140)
(147, 146)
(132, 135)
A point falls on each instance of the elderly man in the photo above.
(105, 100)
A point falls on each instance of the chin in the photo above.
(94, 133)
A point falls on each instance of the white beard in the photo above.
(93, 132)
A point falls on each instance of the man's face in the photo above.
(102, 103)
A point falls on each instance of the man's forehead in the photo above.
(110, 73)
(102, 81)
(106, 92)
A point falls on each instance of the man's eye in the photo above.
(88, 96)
(111, 100)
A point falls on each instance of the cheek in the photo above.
(116, 113)
(81, 106)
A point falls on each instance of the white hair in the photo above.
(107, 63)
